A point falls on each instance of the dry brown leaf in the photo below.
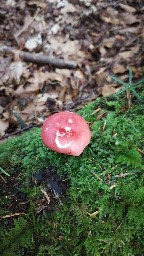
(101, 76)
(6, 115)
(60, 46)
(129, 18)
(3, 127)
(42, 98)
(78, 74)
(4, 63)
(118, 68)
(128, 8)
(38, 4)
(111, 20)
(63, 72)
(108, 42)
(14, 72)
(107, 90)
(69, 8)
(30, 88)
(1, 109)
(102, 51)
(39, 109)
(132, 30)
(37, 80)
(127, 54)
(29, 110)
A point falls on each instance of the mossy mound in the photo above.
(102, 210)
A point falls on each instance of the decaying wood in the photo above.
(40, 59)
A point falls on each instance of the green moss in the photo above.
(102, 212)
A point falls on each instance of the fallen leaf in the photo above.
(94, 214)
(102, 51)
(55, 29)
(127, 8)
(129, 18)
(132, 30)
(69, 8)
(38, 4)
(11, 3)
(111, 20)
(37, 80)
(3, 127)
(69, 47)
(42, 98)
(127, 54)
(1, 109)
(118, 68)
(108, 42)
(107, 90)
(14, 72)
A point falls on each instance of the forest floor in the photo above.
(59, 55)
(78, 45)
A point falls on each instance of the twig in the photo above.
(12, 215)
(40, 59)
(27, 25)
(95, 175)
(19, 131)
(139, 150)
(104, 126)
(46, 195)
(3, 179)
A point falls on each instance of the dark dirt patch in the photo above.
(52, 188)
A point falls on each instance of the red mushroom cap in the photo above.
(66, 132)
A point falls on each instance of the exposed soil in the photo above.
(52, 191)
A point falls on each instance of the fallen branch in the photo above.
(40, 59)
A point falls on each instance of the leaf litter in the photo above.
(102, 37)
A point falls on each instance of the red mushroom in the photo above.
(66, 132)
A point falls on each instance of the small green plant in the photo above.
(129, 87)
(4, 172)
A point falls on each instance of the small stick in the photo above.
(46, 195)
(27, 25)
(40, 59)
(19, 131)
(104, 126)
(95, 175)
(43, 59)
(139, 150)
(12, 215)
(3, 178)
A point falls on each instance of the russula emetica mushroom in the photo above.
(66, 132)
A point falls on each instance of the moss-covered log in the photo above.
(59, 205)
